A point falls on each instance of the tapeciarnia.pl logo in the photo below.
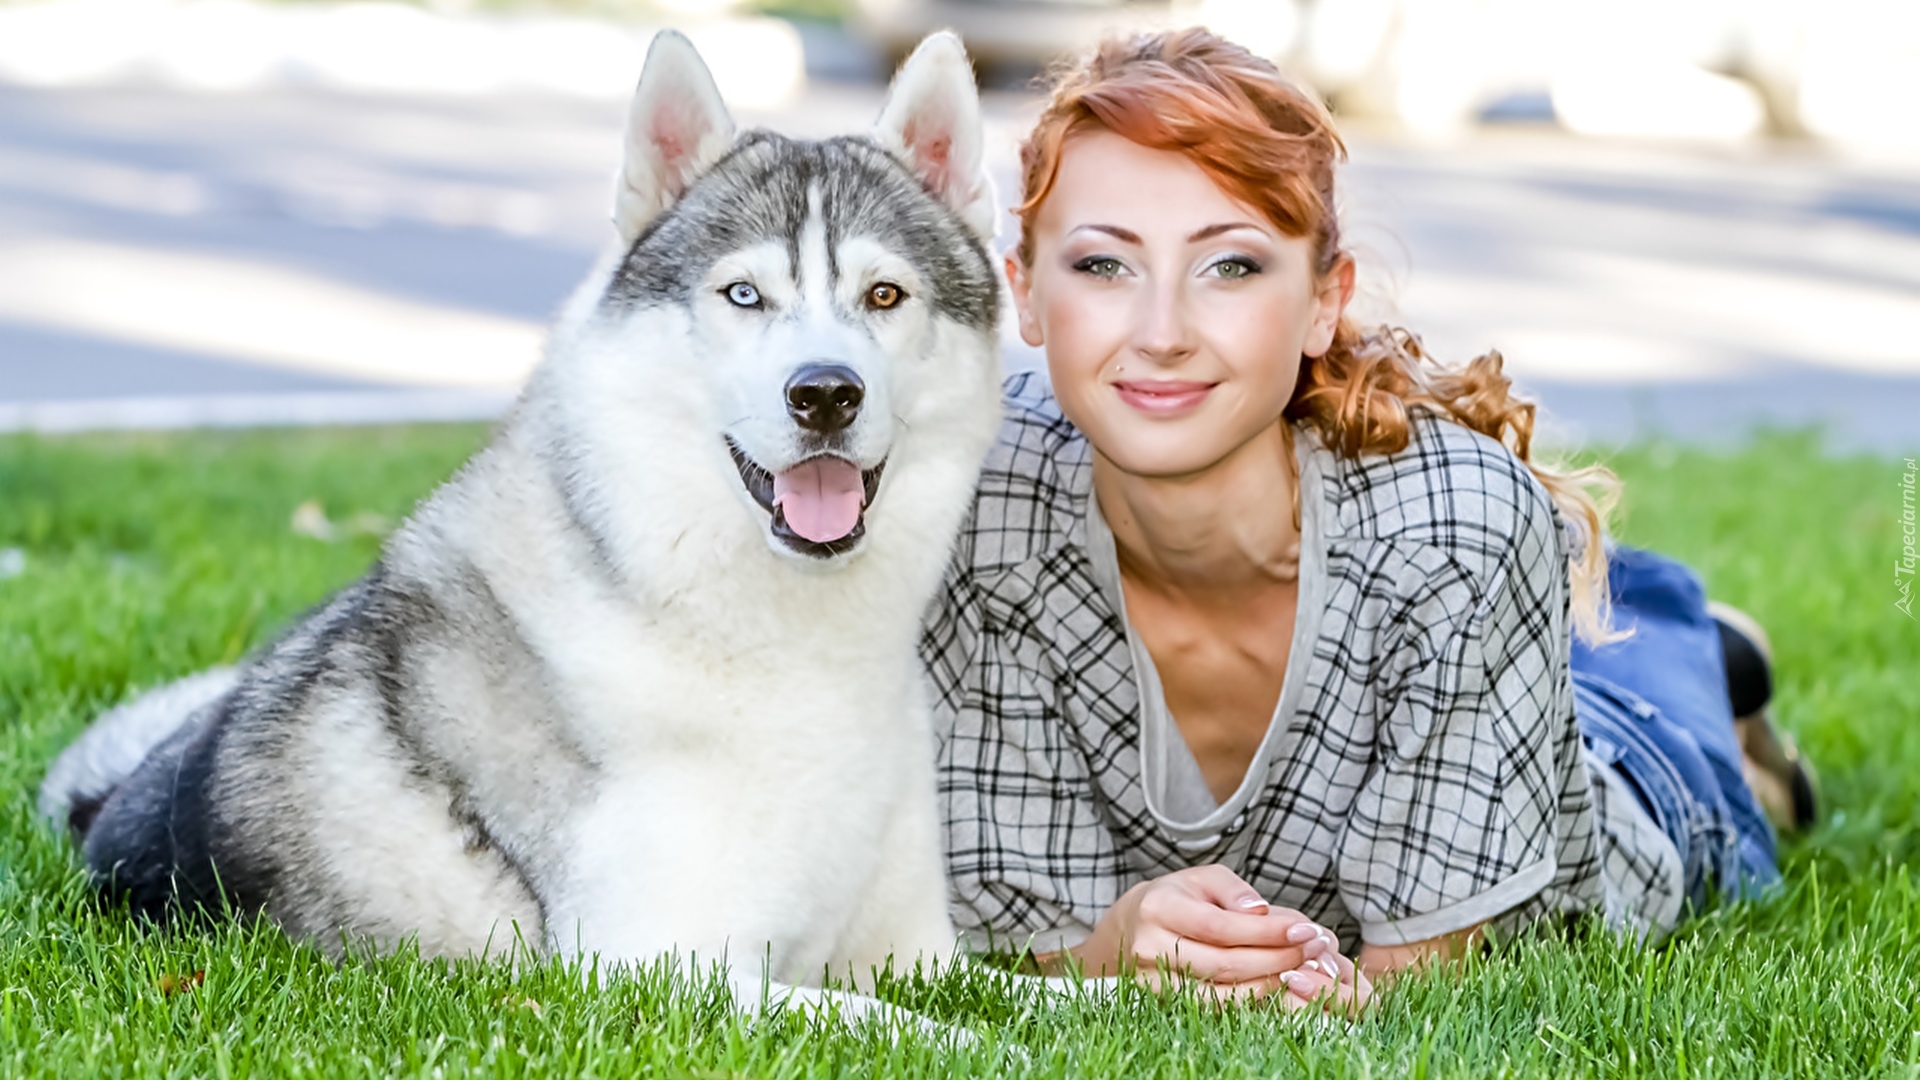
(1903, 569)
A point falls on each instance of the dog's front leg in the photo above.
(902, 917)
(758, 997)
(659, 867)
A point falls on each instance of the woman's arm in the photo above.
(1382, 961)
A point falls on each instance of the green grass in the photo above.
(150, 556)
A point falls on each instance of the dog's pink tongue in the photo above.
(820, 498)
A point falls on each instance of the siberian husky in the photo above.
(641, 679)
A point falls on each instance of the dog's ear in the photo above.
(932, 123)
(677, 128)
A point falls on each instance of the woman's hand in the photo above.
(1329, 981)
(1207, 924)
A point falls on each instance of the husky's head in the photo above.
(825, 291)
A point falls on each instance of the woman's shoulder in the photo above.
(1036, 442)
(1032, 491)
(1450, 487)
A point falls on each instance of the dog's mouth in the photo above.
(818, 506)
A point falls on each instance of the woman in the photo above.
(1261, 633)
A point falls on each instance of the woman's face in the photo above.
(1174, 318)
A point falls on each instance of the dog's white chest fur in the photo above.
(742, 801)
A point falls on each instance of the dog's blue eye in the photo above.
(743, 295)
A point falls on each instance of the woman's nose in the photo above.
(1162, 332)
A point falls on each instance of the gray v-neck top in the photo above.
(1423, 772)
(1176, 791)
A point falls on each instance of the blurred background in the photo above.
(1681, 219)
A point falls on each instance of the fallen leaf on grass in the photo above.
(310, 519)
(511, 1001)
(181, 984)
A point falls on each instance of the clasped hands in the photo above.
(1207, 926)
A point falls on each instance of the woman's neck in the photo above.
(1210, 536)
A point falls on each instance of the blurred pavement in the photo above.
(302, 255)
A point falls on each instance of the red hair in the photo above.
(1272, 146)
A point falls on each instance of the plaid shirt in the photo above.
(1429, 776)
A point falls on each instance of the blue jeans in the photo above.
(1655, 707)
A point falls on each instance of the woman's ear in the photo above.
(1336, 292)
(1022, 290)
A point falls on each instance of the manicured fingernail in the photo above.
(1305, 931)
(1288, 978)
(1251, 902)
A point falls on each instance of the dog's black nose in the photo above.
(825, 397)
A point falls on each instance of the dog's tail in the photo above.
(86, 773)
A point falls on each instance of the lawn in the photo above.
(143, 557)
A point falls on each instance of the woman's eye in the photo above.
(742, 295)
(1234, 269)
(884, 295)
(1099, 266)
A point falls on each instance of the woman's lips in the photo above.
(1168, 397)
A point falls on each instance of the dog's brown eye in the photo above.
(885, 295)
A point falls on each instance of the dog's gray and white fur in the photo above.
(597, 692)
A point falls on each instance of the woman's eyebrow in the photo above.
(1212, 231)
(1123, 235)
(1130, 237)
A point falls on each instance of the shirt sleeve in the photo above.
(949, 634)
(1458, 821)
(1015, 804)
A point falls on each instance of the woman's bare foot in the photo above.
(1781, 779)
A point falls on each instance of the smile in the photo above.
(1164, 397)
(818, 507)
